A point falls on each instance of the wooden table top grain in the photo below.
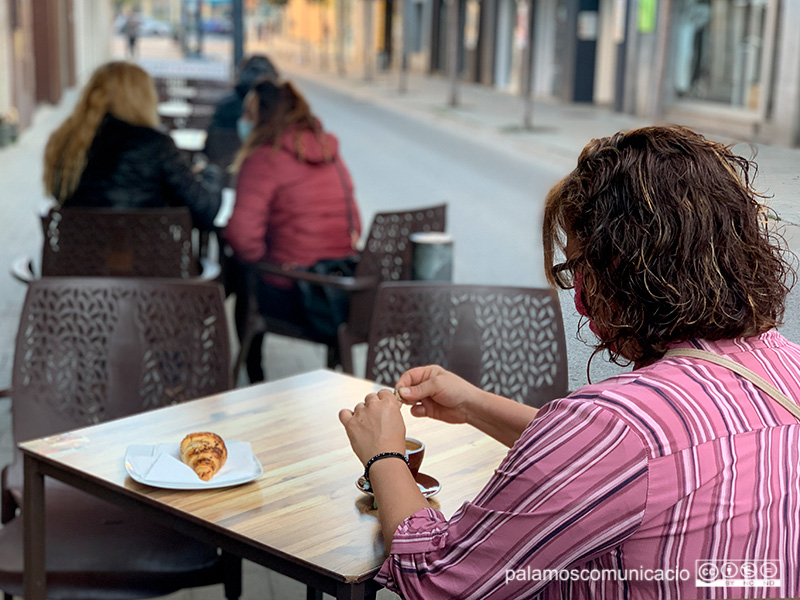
(305, 507)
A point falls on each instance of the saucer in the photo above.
(429, 486)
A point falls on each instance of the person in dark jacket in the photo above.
(294, 199)
(109, 152)
(223, 140)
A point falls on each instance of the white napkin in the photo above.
(164, 465)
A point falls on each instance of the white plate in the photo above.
(159, 465)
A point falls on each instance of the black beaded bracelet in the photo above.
(378, 457)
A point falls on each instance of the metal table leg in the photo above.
(365, 591)
(33, 511)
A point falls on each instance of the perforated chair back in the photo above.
(89, 350)
(93, 349)
(387, 255)
(99, 242)
(506, 340)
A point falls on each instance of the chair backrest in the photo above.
(99, 242)
(387, 254)
(506, 340)
(93, 349)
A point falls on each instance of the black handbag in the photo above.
(326, 307)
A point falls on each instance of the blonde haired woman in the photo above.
(109, 152)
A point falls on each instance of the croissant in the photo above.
(205, 452)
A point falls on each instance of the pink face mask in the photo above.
(577, 286)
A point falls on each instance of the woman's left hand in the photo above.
(375, 425)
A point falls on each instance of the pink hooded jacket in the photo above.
(291, 205)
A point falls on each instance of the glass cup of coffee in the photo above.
(415, 450)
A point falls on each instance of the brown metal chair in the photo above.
(101, 242)
(90, 350)
(506, 340)
(386, 256)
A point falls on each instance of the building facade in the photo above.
(47, 46)
(731, 66)
(727, 66)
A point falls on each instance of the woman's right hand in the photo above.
(437, 393)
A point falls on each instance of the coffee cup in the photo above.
(415, 450)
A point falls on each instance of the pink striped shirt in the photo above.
(675, 466)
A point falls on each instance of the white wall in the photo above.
(5, 58)
(545, 59)
(786, 100)
(506, 12)
(93, 31)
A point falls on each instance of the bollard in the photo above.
(432, 256)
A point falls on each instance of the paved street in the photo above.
(404, 150)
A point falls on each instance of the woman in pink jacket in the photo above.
(294, 198)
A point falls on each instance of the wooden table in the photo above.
(302, 517)
(176, 109)
(179, 92)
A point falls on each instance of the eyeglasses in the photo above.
(563, 274)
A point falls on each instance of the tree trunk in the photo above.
(340, 36)
(528, 63)
(368, 49)
(452, 49)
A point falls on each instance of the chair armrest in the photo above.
(350, 284)
(8, 508)
(22, 269)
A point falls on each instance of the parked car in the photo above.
(151, 26)
(217, 25)
(148, 26)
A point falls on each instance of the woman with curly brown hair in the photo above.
(109, 153)
(681, 474)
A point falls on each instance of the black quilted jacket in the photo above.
(129, 166)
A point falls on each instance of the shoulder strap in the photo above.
(348, 200)
(756, 379)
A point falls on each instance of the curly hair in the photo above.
(670, 242)
(121, 88)
(280, 106)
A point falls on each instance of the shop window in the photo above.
(717, 47)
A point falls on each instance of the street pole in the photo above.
(665, 9)
(403, 86)
(406, 16)
(621, 18)
(452, 50)
(198, 16)
(528, 62)
(184, 29)
(238, 33)
(368, 40)
(340, 36)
